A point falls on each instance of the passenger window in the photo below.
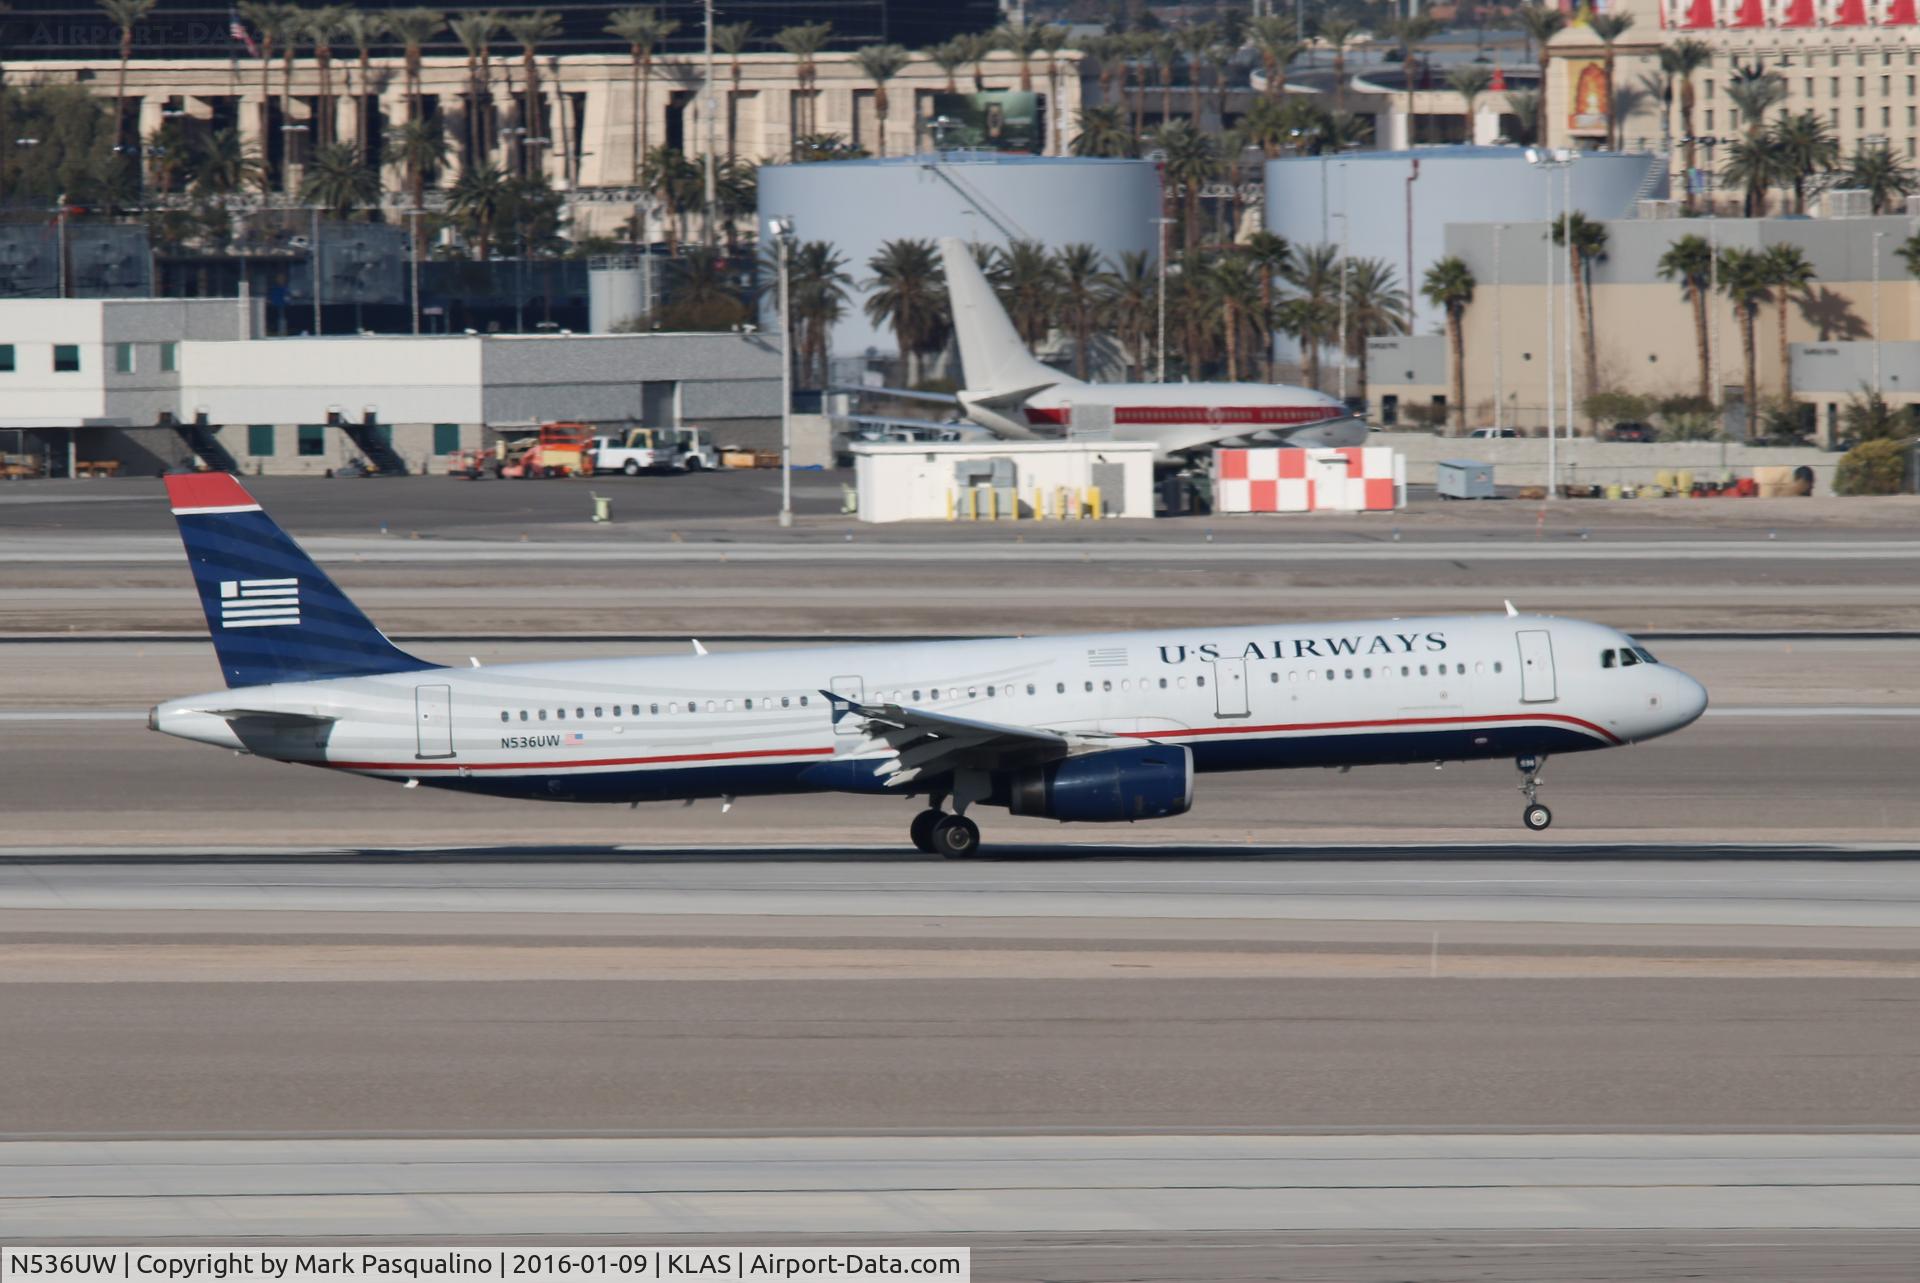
(803, 701)
(674, 707)
(1347, 673)
(1106, 686)
(523, 714)
(601, 713)
(712, 709)
(1163, 683)
(989, 692)
(1125, 685)
(654, 709)
(1293, 676)
(973, 692)
(1460, 669)
(1329, 674)
(543, 714)
(748, 704)
(1606, 659)
(1423, 670)
(1496, 665)
(1029, 688)
(786, 700)
(560, 714)
(1059, 688)
(1199, 681)
(1274, 677)
(1366, 672)
(953, 692)
(503, 716)
(1407, 672)
(729, 705)
(1089, 686)
(1183, 683)
(1479, 666)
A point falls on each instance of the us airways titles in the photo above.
(1314, 647)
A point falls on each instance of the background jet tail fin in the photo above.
(992, 358)
(273, 614)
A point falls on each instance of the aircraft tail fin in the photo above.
(273, 614)
(992, 357)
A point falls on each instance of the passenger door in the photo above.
(1230, 687)
(433, 721)
(852, 688)
(1537, 684)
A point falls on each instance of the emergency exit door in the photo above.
(433, 720)
(1230, 687)
(1536, 666)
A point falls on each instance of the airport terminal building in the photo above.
(150, 384)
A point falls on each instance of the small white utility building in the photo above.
(1003, 480)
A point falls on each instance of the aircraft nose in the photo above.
(1687, 701)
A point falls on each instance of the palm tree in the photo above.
(1022, 40)
(1229, 284)
(1909, 253)
(1269, 125)
(908, 294)
(1743, 279)
(1803, 148)
(1678, 62)
(736, 195)
(530, 31)
(270, 20)
(1375, 305)
(478, 198)
(292, 22)
(1191, 160)
(1586, 241)
(732, 40)
(420, 146)
(1129, 299)
(1138, 47)
(1753, 162)
(1470, 82)
(1271, 256)
(1029, 287)
(677, 183)
(1541, 23)
(1689, 260)
(1313, 318)
(949, 56)
(1165, 52)
(817, 284)
(1754, 91)
(1449, 286)
(881, 63)
(1787, 273)
(475, 32)
(1409, 34)
(976, 46)
(805, 42)
(126, 15)
(644, 30)
(1335, 34)
(336, 180)
(322, 27)
(1103, 132)
(1278, 44)
(223, 164)
(1880, 173)
(413, 28)
(365, 28)
(1609, 27)
(1081, 274)
(1196, 42)
(1524, 106)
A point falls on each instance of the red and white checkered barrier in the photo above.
(1289, 479)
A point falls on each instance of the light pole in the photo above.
(1160, 300)
(413, 245)
(1341, 343)
(1877, 237)
(313, 263)
(781, 229)
(1548, 159)
(1499, 348)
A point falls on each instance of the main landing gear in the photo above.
(937, 833)
(1535, 816)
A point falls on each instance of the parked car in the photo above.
(1490, 434)
(1632, 432)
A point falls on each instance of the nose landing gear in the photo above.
(1534, 815)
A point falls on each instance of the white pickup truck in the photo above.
(655, 450)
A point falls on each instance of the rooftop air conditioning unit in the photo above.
(1849, 202)
(1660, 209)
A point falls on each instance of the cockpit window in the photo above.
(1606, 658)
(1646, 656)
(1627, 657)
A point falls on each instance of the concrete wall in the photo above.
(721, 378)
(1523, 462)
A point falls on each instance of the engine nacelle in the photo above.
(1147, 783)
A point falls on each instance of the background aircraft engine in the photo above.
(1147, 783)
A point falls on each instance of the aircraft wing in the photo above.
(965, 428)
(271, 715)
(903, 394)
(923, 743)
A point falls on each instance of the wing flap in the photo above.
(913, 743)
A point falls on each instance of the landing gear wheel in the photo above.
(922, 829)
(1536, 817)
(956, 837)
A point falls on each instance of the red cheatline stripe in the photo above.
(414, 768)
(1582, 723)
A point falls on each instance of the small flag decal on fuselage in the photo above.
(259, 603)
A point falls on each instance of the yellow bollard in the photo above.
(1093, 502)
(951, 513)
(993, 504)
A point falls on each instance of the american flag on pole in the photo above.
(238, 30)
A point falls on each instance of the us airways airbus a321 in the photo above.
(1102, 727)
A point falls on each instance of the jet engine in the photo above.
(1147, 783)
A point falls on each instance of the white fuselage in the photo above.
(1174, 416)
(1443, 688)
